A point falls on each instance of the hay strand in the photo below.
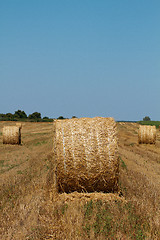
(11, 135)
(147, 134)
(85, 155)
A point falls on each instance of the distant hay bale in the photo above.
(11, 135)
(85, 155)
(19, 125)
(147, 134)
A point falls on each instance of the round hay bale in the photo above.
(11, 135)
(147, 134)
(85, 155)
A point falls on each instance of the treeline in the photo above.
(22, 116)
(147, 121)
(152, 123)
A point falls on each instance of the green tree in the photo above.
(146, 118)
(35, 115)
(2, 116)
(20, 114)
(9, 116)
(60, 117)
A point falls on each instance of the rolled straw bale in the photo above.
(11, 135)
(85, 155)
(147, 134)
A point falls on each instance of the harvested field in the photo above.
(30, 210)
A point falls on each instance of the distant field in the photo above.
(29, 209)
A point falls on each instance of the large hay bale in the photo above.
(11, 135)
(85, 155)
(147, 134)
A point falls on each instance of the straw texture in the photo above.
(19, 125)
(11, 135)
(147, 134)
(85, 155)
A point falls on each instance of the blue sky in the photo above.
(80, 57)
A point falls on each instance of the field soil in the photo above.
(30, 209)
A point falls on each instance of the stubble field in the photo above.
(30, 210)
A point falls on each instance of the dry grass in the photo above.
(19, 124)
(29, 210)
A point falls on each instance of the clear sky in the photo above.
(80, 57)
